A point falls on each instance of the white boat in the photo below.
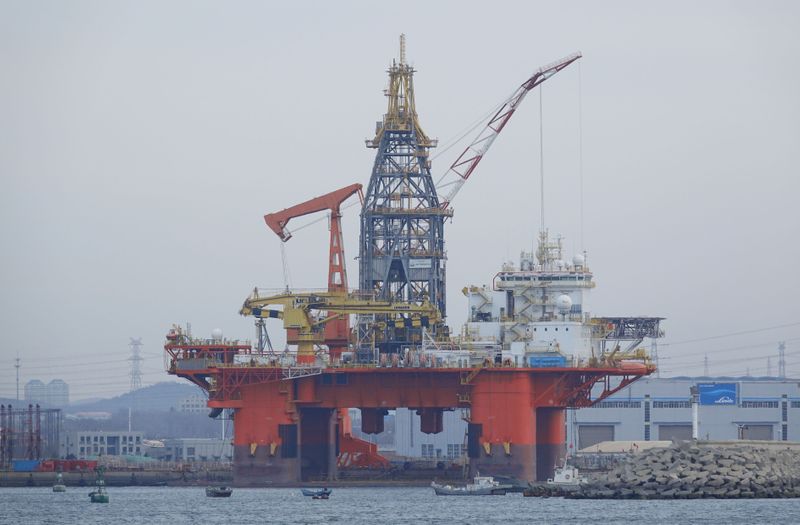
(566, 477)
(480, 486)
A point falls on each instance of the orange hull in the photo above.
(291, 430)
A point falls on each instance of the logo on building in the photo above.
(718, 393)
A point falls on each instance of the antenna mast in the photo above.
(16, 365)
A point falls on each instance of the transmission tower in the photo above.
(136, 360)
(654, 356)
(782, 359)
(705, 365)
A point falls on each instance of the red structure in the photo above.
(287, 425)
(337, 331)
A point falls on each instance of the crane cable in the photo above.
(286, 280)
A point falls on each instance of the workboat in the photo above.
(323, 493)
(480, 486)
(99, 494)
(59, 486)
(219, 492)
(566, 478)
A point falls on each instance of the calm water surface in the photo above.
(368, 506)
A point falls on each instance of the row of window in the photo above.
(102, 450)
(672, 404)
(548, 278)
(686, 404)
(759, 404)
(102, 439)
(618, 404)
(454, 451)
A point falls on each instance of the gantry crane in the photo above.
(337, 330)
(306, 330)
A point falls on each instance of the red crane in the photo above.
(354, 452)
(465, 164)
(337, 331)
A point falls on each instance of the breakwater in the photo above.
(691, 470)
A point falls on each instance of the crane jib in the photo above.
(465, 164)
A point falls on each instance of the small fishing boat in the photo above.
(219, 492)
(99, 494)
(480, 486)
(323, 493)
(59, 485)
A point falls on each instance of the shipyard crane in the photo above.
(337, 331)
(305, 330)
(465, 164)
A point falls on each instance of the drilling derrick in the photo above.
(401, 255)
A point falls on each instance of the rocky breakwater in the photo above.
(690, 470)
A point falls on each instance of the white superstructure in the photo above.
(534, 314)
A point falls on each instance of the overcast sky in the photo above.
(142, 142)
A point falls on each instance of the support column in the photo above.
(502, 433)
(265, 444)
(550, 441)
(318, 431)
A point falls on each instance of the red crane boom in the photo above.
(337, 275)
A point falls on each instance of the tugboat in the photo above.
(480, 486)
(59, 486)
(99, 494)
(323, 493)
(219, 492)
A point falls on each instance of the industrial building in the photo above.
(85, 444)
(449, 444)
(192, 449)
(194, 403)
(660, 409)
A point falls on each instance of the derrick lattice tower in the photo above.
(401, 244)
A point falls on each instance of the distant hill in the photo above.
(161, 396)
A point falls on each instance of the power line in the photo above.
(731, 334)
(693, 363)
(734, 348)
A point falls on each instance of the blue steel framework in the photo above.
(401, 248)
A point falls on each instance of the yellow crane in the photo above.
(305, 329)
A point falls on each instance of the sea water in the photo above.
(148, 505)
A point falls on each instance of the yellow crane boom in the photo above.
(297, 314)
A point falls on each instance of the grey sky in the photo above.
(141, 143)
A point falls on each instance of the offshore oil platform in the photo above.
(529, 350)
